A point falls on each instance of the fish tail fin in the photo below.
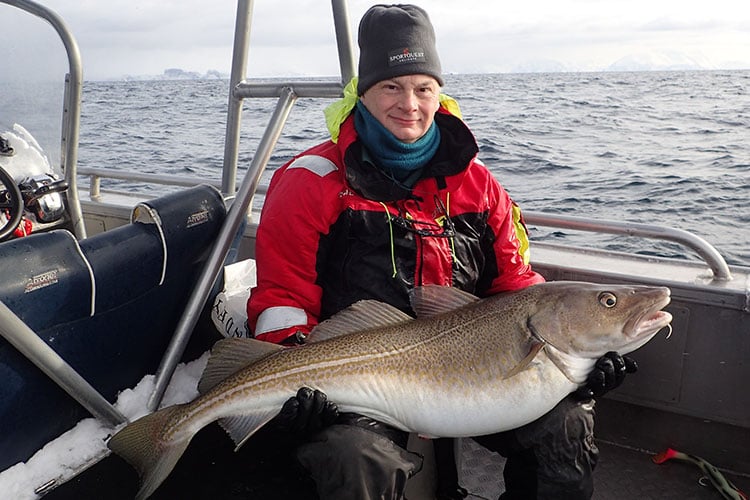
(146, 445)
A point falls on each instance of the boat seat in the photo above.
(107, 304)
(46, 279)
(165, 237)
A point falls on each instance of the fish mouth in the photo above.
(652, 319)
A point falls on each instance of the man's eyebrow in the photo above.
(427, 83)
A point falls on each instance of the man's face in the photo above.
(405, 105)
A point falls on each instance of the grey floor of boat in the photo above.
(622, 473)
(211, 469)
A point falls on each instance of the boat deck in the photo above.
(211, 470)
(621, 474)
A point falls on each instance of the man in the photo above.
(398, 199)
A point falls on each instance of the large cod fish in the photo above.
(464, 367)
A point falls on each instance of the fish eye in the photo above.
(608, 299)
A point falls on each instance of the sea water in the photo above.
(664, 148)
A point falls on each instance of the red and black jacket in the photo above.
(335, 229)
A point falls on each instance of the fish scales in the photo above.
(432, 357)
(466, 367)
(433, 353)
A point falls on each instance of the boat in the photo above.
(111, 287)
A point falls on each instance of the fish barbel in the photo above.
(464, 367)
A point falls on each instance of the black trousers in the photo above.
(550, 458)
(359, 458)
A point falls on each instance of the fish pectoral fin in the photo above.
(228, 356)
(241, 427)
(536, 347)
(360, 316)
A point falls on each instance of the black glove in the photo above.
(609, 372)
(306, 413)
(458, 493)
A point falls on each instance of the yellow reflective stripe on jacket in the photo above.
(521, 234)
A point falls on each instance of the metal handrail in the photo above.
(287, 95)
(705, 250)
(71, 121)
(234, 106)
(343, 40)
(219, 252)
(304, 88)
(12, 328)
(240, 89)
(97, 174)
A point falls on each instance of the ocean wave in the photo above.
(665, 148)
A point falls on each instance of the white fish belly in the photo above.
(485, 407)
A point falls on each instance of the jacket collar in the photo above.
(457, 149)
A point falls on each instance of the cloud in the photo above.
(120, 37)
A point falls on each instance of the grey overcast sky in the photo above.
(144, 37)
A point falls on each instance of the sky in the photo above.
(120, 38)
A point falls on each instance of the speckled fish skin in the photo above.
(465, 367)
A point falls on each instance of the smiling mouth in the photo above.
(404, 122)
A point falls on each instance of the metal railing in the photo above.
(71, 119)
(705, 250)
(12, 328)
(23, 338)
(239, 89)
(96, 175)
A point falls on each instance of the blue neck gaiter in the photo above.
(397, 158)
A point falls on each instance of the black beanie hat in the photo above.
(396, 40)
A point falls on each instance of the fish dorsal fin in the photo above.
(360, 316)
(431, 300)
(536, 347)
(228, 356)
